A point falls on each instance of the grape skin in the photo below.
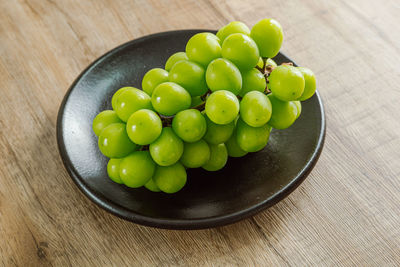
(298, 106)
(233, 148)
(131, 100)
(222, 107)
(283, 113)
(153, 78)
(252, 80)
(195, 154)
(286, 83)
(152, 186)
(241, 50)
(167, 149)
(103, 119)
(252, 139)
(137, 169)
(114, 141)
(232, 27)
(222, 74)
(190, 125)
(169, 98)
(170, 179)
(113, 170)
(217, 133)
(218, 158)
(178, 56)
(144, 127)
(190, 76)
(310, 83)
(116, 94)
(255, 109)
(203, 48)
(268, 35)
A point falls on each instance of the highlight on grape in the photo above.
(219, 98)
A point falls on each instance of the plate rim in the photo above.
(167, 223)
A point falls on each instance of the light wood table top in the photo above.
(346, 212)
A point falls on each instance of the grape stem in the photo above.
(201, 106)
(265, 65)
(204, 97)
(166, 120)
(260, 69)
(143, 148)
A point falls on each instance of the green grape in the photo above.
(170, 179)
(310, 83)
(190, 125)
(175, 58)
(113, 170)
(152, 78)
(152, 186)
(116, 94)
(269, 61)
(233, 148)
(255, 109)
(203, 48)
(190, 76)
(130, 101)
(253, 80)
(103, 119)
(218, 158)
(298, 106)
(169, 98)
(222, 107)
(232, 27)
(260, 63)
(137, 169)
(222, 74)
(241, 50)
(252, 139)
(196, 100)
(167, 149)
(217, 133)
(286, 83)
(268, 35)
(195, 154)
(114, 141)
(283, 113)
(144, 127)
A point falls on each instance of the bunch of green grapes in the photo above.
(219, 98)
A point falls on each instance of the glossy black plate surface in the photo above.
(244, 187)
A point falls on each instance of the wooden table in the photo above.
(348, 210)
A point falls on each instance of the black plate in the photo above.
(244, 187)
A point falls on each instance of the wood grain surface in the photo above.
(347, 212)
